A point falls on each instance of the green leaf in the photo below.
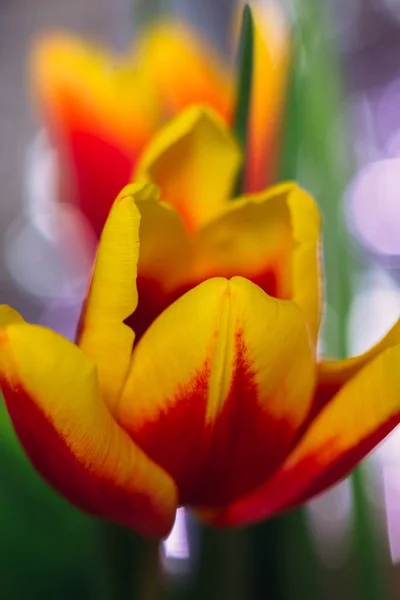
(47, 548)
(316, 153)
(244, 87)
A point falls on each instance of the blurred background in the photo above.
(47, 549)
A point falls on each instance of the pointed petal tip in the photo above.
(8, 316)
(194, 159)
(139, 191)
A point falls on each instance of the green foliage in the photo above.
(47, 549)
(316, 153)
(244, 86)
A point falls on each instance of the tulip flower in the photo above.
(195, 378)
(101, 109)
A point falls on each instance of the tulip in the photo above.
(195, 378)
(101, 109)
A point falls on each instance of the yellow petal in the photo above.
(184, 69)
(272, 238)
(364, 411)
(219, 385)
(52, 394)
(165, 250)
(333, 374)
(164, 261)
(8, 316)
(194, 160)
(112, 295)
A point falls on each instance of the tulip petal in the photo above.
(100, 115)
(270, 71)
(52, 394)
(164, 245)
(364, 411)
(183, 68)
(271, 238)
(333, 374)
(8, 316)
(218, 387)
(194, 159)
(164, 261)
(112, 295)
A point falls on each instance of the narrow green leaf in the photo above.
(244, 87)
(316, 153)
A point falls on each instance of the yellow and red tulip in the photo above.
(101, 109)
(195, 379)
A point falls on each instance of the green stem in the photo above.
(116, 554)
(131, 565)
(368, 546)
(223, 562)
(151, 583)
(284, 561)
